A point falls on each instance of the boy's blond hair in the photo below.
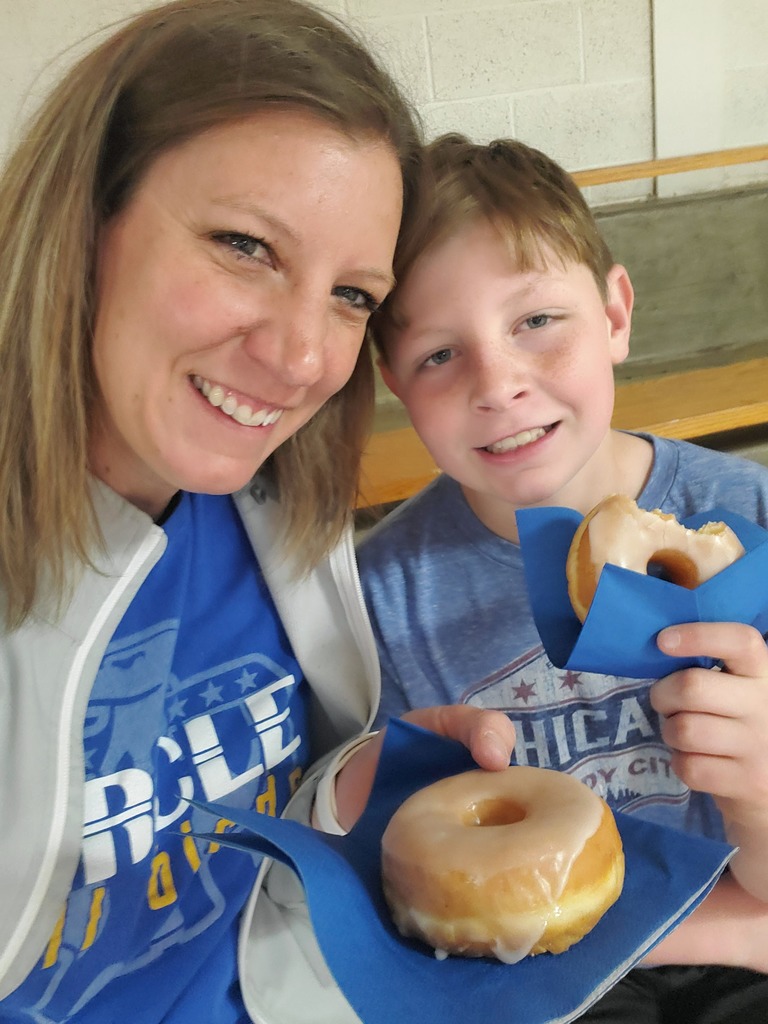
(165, 76)
(534, 203)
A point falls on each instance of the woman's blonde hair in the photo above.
(163, 77)
(533, 203)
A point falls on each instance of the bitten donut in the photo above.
(619, 532)
(504, 864)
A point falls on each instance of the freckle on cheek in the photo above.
(557, 363)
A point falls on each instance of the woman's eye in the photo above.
(244, 245)
(357, 298)
(438, 358)
(539, 320)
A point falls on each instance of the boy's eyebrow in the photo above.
(532, 279)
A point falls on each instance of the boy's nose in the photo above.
(498, 381)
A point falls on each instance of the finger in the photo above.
(707, 734)
(488, 735)
(740, 647)
(722, 777)
(708, 692)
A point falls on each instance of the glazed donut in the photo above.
(503, 864)
(619, 532)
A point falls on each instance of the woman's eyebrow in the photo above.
(254, 210)
(386, 277)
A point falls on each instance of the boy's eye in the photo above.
(357, 298)
(538, 320)
(438, 358)
(244, 245)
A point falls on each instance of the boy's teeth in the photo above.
(509, 443)
(228, 404)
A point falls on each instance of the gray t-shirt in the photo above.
(453, 623)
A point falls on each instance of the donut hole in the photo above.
(494, 812)
(674, 567)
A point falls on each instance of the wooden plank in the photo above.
(670, 165)
(684, 405)
(698, 402)
(395, 465)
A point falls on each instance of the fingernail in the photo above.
(669, 639)
(495, 747)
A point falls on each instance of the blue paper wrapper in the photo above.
(629, 609)
(386, 978)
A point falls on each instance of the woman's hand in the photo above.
(716, 724)
(488, 735)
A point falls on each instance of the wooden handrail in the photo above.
(670, 165)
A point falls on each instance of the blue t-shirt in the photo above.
(198, 695)
(453, 623)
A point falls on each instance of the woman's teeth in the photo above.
(517, 441)
(241, 412)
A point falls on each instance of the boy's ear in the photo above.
(618, 309)
(387, 376)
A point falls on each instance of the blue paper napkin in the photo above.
(618, 636)
(386, 978)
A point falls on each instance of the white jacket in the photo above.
(47, 670)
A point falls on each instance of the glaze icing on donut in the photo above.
(504, 864)
(619, 532)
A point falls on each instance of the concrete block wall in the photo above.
(593, 82)
(572, 77)
(711, 84)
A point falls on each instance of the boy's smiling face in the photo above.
(508, 375)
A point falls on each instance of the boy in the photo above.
(500, 340)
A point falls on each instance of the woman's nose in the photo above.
(290, 340)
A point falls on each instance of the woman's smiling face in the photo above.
(233, 291)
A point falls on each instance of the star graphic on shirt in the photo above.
(570, 680)
(524, 691)
(176, 709)
(211, 694)
(245, 682)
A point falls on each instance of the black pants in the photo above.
(684, 995)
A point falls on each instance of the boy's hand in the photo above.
(488, 735)
(716, 724)
(729, 927)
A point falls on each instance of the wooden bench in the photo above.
(687, 405)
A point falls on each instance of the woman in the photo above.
(192, 236)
